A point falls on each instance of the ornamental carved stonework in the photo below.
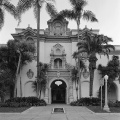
(86, 74)
(30, 74)
(58, 30)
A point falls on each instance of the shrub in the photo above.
(111, 104)
(114, 104)
(117, 104)
(86, 102)
(24, 101)
(3, 105)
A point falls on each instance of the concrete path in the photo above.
(71, 113)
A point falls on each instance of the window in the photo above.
(58, 63)
(30, 40)
(57, 51)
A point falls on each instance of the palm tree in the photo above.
(112, 70)
(7, 67)
(13, 57)
(24, 5)
(77, 13)
(74, 73)
(5, 5)
(80, 66)
(75, 56)
(40, 84)
(94, 44)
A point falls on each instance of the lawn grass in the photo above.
(12, 109)
(97, 109)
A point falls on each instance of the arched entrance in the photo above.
(58, 91)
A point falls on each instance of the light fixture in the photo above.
(106, 77)
(58, 83)
(40, 2)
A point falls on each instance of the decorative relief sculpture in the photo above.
(57, 29)
(30, 74)
(86, 74)
(58, 74)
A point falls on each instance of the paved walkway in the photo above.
(71, 113)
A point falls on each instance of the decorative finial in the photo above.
(28, 25)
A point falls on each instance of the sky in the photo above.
(107, 12)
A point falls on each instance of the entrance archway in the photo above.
(58, 91)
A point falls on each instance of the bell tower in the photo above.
(57, 27)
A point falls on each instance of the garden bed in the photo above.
(13, 109)
(97, 109)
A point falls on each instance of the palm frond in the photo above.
(82, 65)
(75, 55)
(110, 47)
(75, 2)
(89, 15)
(10, 8)
(82, 3)
(1, 18)
(35, 11)
(104, 39)
(69, 14)
(78, 7)
(23, 6)
(93, 43)
(52, 11)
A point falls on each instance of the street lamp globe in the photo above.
(106, 77)
(40, 2)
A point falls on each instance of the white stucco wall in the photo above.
(49, 45)
(25, 81)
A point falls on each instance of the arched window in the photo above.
(58, 63)
(30, 40)
(58, 51)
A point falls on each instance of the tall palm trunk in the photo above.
(76, 87)
(20, 84)
(92, 67)
(18, 67)
(40, 94)
(78, 29)
(38, 47)
(91, 82)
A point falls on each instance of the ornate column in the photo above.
(70, 91)
(52, 63)
(46, 91)
(67, 96)
(46, 94)
(106, 107)
(64, 60)
(49, 96)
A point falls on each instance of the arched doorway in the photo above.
(58, 91)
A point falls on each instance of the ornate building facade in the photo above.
(57, 44)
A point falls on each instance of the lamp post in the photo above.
(106, 107)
